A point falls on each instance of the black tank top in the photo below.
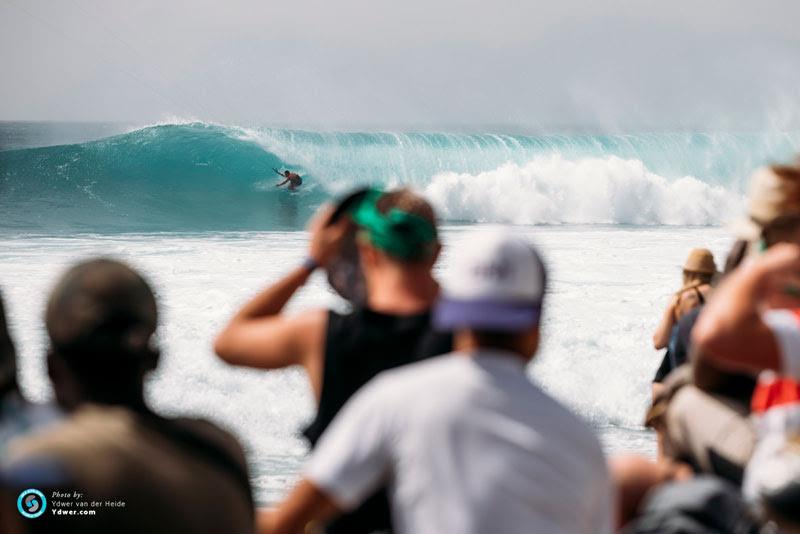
(358, 346)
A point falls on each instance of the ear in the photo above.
(531, 341)
(366, 252)
(436, 252)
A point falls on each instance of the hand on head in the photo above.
(779, 270)
(326, 237)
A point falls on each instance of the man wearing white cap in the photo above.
(465, 441)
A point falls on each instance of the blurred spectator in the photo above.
(672, 332)
(774, 192)
(772, 479)
(753, 324)
(171, 475)
(17, 415)
(703, 505)
(467, 443)
(701, 419)
(701, 416)
(732, 329)
(397, 243)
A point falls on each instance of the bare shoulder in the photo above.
(316, 319)
(310, 327)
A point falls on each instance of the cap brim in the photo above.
(347, 203)
(452, 314)
(746, 229)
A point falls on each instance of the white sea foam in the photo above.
(608, 286)
(553, 190)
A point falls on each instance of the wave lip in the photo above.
(554, 190)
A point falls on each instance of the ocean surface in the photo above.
(194, 206)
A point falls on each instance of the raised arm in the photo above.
(731, 330)
(260, 335)
(664, 329)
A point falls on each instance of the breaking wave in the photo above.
(195, 176)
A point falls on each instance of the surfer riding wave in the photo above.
(292, 178)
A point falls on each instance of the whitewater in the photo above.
(193, 205)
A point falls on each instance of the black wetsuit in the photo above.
(358, 346)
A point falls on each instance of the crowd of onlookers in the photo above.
(426, 420)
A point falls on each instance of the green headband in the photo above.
(398, 233)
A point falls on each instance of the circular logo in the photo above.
(31, 503)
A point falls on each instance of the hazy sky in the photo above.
(612, 64)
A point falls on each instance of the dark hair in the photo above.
(780, 229)
(736, 256)
(100, 318)
(493, 339)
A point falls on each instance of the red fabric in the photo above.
(775, 391)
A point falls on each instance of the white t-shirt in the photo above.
(785, 326)
(466, 444)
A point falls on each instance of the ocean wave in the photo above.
(553, 190)
(186, 175)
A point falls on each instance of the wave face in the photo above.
(208, 177)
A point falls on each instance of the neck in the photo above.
(466, 342)
(402, 291)
(129, 396)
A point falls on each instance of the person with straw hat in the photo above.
(699, 271)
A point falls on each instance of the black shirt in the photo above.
(359, 345)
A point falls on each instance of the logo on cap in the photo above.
(495, 270)
(31, 503)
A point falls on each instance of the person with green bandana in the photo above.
(398, 245)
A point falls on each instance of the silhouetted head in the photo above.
(286, 173)
(101, 318)
(8, 356)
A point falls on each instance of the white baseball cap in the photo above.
(496, 282)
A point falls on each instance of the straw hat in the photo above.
(774, 191)
(700, 260)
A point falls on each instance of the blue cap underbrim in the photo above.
(451, 314)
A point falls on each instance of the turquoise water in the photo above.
(199, 177)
